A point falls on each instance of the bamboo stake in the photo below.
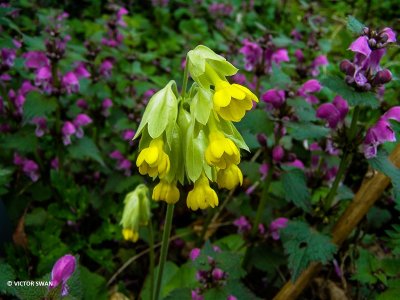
(370, 190)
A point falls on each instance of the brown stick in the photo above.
(370, 190)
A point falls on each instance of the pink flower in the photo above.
(194, 254)
(106, 104)
(41, 127)
(242, 224)
(334, 112)
(70, 82)
(128, 134)
(276, 225)
(36, 59)
(62, 270)
(274, 97)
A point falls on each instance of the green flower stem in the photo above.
(345, 161)
(152, 257)
(263, 201)
(56, 83)
(164, 248)
(185, 79)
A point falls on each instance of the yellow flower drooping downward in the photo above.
(230, 177)
(202, 195)
(136, 212)
(166, 191)
(130, 235)
(221, 151)
(231, 101)
(153, 160)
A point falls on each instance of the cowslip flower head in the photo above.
(136, 212)
(202, 195)
(153, 160)
(221, 151)
(62, 270)
(230, 177)
(166, 191)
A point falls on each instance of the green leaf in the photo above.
(86, 148)
(201, 105)
(6, 274)
(22, 141)
(279, 79)
(295, 188)
(354, 25)
(38, 105)
(303, 109)
(365, 267)
(303, 131)
(382, 164)
(353, 97)
(393, 291)
(161, 111)
(304, 245)
(195, 149)
(95, 286)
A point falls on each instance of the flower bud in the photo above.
(262, 139)
(278, 153)
(372, 43)
(136, 212)
(61, 272)
(382, 77)
(217, 274)
(347, 67)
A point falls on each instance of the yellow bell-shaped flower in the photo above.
(230, 177)
(221, 151)
(202, 195)
(130, 235)
(153, 160)
(166, 191)
(231, 101)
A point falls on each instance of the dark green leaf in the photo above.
(304, 245)
(302, 131)
(38, 105)
(354, 25)
(86, 148)
(353, 97)
(295, 187)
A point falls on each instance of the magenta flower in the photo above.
(116, 155)
(279, 56)
(217, 274)
(194, 254)
(128, 134)
(297, 163)
(106, 67)
(36, 59)
(276, 225)
(299, 55)
(196, 295)
(80, 121)
(381, 132)
(43, 79)
(82, 104)
(31, 169)
(55, 163)
(274, 97)
(7, 57)
(252, 54)
(308, 88)
(231, 297)
(70, 82)
(67, 131)
(319, 61)
(81, 72)
(105, 105)
(263, 170)
(277, 153)
(242, 224)
(334, 112)
(41, 127)
(62, 270)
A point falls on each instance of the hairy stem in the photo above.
(152, 258)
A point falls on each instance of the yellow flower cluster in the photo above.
(191, 137)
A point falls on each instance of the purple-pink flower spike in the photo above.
(61, 272)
